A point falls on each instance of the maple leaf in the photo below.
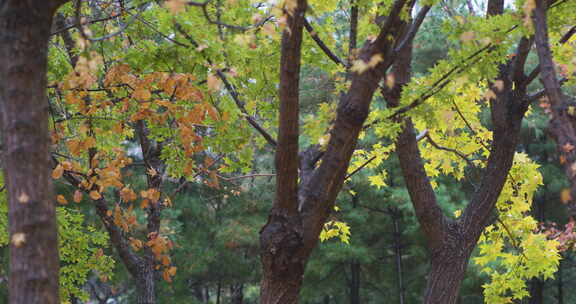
(128, 194)
(57, 172)
(61, 199)
(172, 271)
(136, 244)
(142, 94)
(565, 196)
(95, 195)
(213, 83)
(175, 6)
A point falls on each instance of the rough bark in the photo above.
(34, 263)
(145, 282)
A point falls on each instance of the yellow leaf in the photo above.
(359, 66)
(375, 60)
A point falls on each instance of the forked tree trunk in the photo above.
(34, 262)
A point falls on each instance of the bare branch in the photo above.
(414, 27)
(322, 45)
(286, 161)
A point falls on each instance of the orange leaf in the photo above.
(565, 196)
(61, 199)
(136, 244)
(165, 260)
(172, 270)
(166, 276)
(57, 172)
(213, 83)
(89, 142)
(67, 165)
(95, 195)
(142, 94)
(127, 194)
(145, 203)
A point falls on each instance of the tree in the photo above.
(24, 34)
(181, 83)
(291, 231)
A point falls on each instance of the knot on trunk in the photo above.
(280, 241)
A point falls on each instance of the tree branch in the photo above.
(231, 90)
(318, 193)
(288, 133)
(321, 44)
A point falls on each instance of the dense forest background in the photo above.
(163, 117)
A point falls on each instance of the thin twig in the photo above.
(80, 27)
(368, 161)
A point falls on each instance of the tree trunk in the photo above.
(560, 284)
(536, 291)
(146, 283)
(355, 282)
(280, 239)
(34, 262)
(237, 293)
(397, 235)
(444, 278)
